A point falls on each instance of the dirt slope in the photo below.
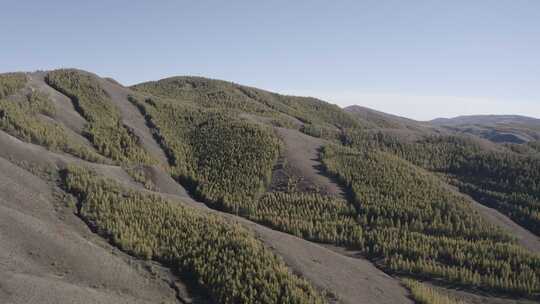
(301, 160)
(525, 238)
(352, 280)
(323, 267)
(301, 152)
(44, 259)
(132, 118)
(18, 151)
(470, 298)
(65, 112)
(48, 255)
(167, 185)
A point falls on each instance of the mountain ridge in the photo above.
(484, 119)
(224, 193)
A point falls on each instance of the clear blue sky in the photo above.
(420, 59)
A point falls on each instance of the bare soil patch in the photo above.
(45, 258)
(133, 119)
(301, 166)
(65, 112)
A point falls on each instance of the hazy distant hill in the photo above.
(497, 128)
(486, 119)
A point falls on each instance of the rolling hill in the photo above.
(195, 190)
(497, 128)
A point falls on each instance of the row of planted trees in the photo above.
(27, 116)
(403, 216)
(104, 129)
(414, 225)
(205, 93)
(226, 260)
(495, 176)
(308, 215)
(424, 294)
(224, 160)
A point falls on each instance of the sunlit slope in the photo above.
(214, 191)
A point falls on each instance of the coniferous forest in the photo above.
(104, 129)
(223, 257)
(418, 227)
(496, 177)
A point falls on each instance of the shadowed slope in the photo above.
(47, 260)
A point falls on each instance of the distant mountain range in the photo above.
(486, 119)
(497, 128)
